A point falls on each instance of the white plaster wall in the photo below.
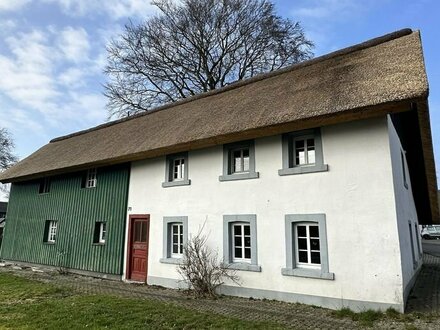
(405, 211)
(356, 194)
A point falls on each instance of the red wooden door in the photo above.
(138, 247)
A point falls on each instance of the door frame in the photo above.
(131, 219)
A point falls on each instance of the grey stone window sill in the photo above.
(239, 176)
(303, 169)
(310, 273)
(245, 267)
(174, 261)
(176, 183)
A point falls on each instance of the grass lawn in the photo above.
(27, 304)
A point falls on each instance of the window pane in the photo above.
(299, 144)
(144, 232)
(314, 244)
(247, 241)
(300, 157)
(181, 248)
(310, 143)
(245, 153)
(237, 241)
(238, 253)
(175, 248)
(314, 231)
(302, 256)
(246, 164)
(311, 156)
(247, 230)
(237, 230)
(302, 243)
(181, 236)
(247, 253)
(316, 258)
(301, 230)
(137, 231)
(175, 239)
(237, 164)
(175, 229)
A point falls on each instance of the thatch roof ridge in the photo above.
(341, 52)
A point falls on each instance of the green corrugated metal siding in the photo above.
(76, 209)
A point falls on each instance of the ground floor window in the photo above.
(100, 233)
(240, 241)
(306, 246)
(50, 231)
(175, 236)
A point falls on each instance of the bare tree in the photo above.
(7, 157)
(202, 269)
(195, 46)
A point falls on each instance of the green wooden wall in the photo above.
(76, 209)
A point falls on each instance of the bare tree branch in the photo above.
(195, 46)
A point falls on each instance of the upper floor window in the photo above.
(91, 178)
(302, 152)
(239, 161)
(176, 170)
(306, 246)
(44, 187)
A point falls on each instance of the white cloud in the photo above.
(11, 5)
(114, 9)
(74, 44)
(43, 68)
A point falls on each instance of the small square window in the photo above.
(302, 152)
(176, 170)
(90, 178)
(50, 231)
(44, 186)
(239, 161)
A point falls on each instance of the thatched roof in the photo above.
(380, 76)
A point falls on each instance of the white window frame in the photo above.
(293, 267)
(52, 231)
(303, 138)
(179, 244)
(308, 238)
(102, 232)
(243, 237)
(242, 158)
(91, 178)
(182, 178)
(178, 169)
(169, 257)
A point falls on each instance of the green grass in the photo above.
(25, 304)
(366, 318)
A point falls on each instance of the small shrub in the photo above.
(392, 314)
(202, 269)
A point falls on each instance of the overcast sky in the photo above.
(52, 54)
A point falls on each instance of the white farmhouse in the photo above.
(310, 181)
